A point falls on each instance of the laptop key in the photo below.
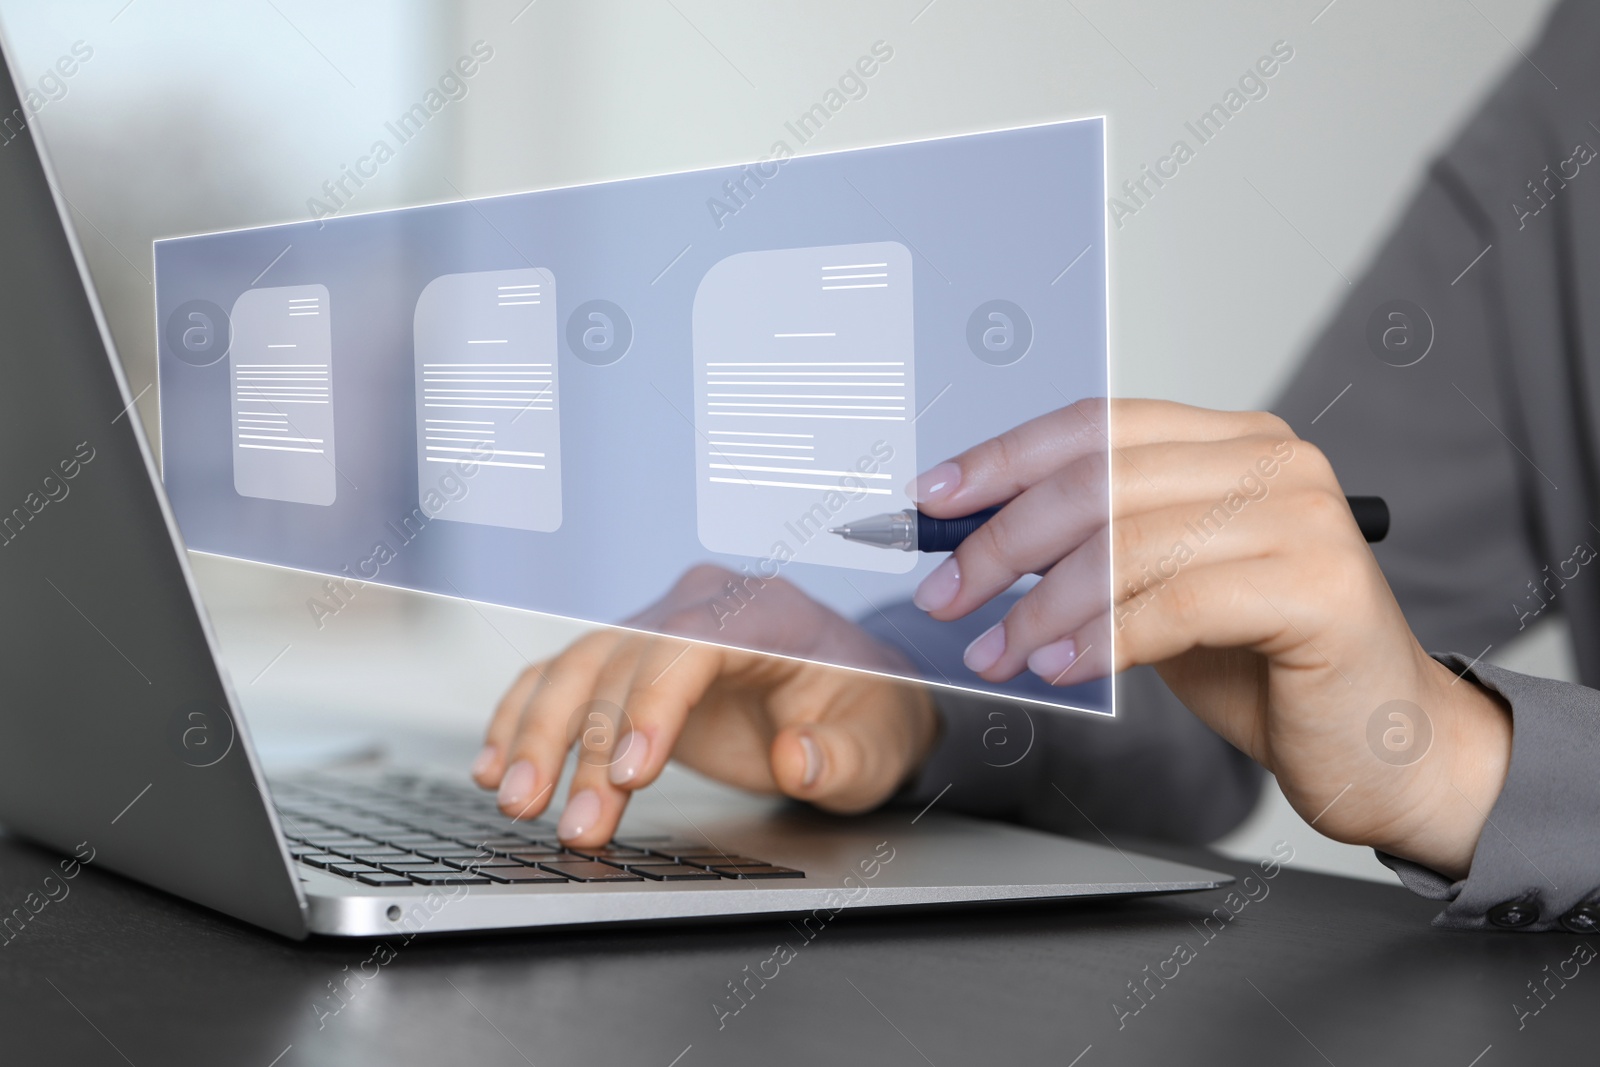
(462, 863)
(457, 853)
(483, 836)
(611, 851)
(446, 827)
(722, 861)
(591, 871)
(320, 859)
(523, 848)
(765, 870)
(346, 848)
(382, 878)
(339, 838)
(673, 872)
(350, 870)
(413, 837)
(545, 856)
(407, 866)
(692, 854)
(452, 878)
(522, 876)
(503, 843)
(493, 861)
(373, 855)
(527, 829)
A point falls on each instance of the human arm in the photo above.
(1240, 574)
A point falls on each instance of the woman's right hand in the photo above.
(844, 740)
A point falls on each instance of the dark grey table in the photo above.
(1322, 970)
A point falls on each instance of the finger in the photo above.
(852, 760)
(490, 765)
(1166, 472)
(1080, 656)
(1149, 549)
(998, 469)
(545, 731)
(1267, 605)
(1071, 594)
(1047, 522)
(671, 679)
(1055, 515)
(1230, 472)
(594, 806)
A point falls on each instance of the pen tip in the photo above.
(838, 529)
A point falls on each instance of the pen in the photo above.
(912, 531)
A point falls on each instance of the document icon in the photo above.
(804, 389)
(486, 395)
(281, 388)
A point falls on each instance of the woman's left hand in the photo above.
(1220, 548)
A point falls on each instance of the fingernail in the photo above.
(516, 788)
(485, 761)
(632, 752)
(940, 587)
(582, 812)
(1051, 661)
(939, 482)
(986, 651)
(813, 751)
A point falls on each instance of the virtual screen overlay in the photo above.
(567, 400)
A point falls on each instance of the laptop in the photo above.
(123, 743)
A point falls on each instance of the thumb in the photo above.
(846, 766)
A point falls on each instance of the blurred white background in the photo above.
(192, 116)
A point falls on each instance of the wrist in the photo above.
(1460, 780)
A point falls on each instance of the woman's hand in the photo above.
(843, 740)
(1236, 567)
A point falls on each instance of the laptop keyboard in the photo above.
(400, 830)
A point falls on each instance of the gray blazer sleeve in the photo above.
(1537, 864)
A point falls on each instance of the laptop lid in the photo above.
(120, 741)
